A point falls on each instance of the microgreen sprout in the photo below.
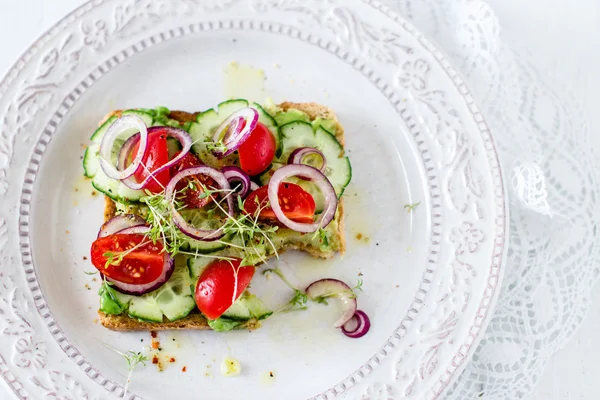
(254, 237)
(411, 207)
(298, 302)
(322, 235)
(133, 359)
(217, 146)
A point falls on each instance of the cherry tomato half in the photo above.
(156, 156)
(143, 264)
(217, 283)
(297, 204)
(257, 152)
(191, 197)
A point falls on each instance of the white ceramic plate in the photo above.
(413, 134)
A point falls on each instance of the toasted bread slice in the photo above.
(195, 320)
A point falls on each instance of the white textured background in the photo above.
(564, 38)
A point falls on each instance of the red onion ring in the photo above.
(186, 143)
(186, 228)
(235, 174)
(299, 154)
(363, 324)
(120, 126)
(335, 288)
(138, 290)
(139, 230)
(120, 223)
(235, 130)
(313, 174)
(126, 151)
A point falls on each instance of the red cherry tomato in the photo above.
(217, 284)
(156, 156)
(257, 152)
(297, 204)
(142, 265)
(191, 197)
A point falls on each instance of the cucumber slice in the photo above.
(201, 247)
(200, 218)
(145, 309)
(291, 115)
(246, 307)
(174, 300)
(196, 265)
(99, 133)
(301, 134)
(327, 124)
(173, 146)
(145, 116)
(115, 189)
(228, 107)
(257, 308)
(238, 311)
(90, 160)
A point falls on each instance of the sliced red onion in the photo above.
(236, 175)
(254, 186)
(235, 130)
(314, 175)
(186, 143)
(186, 228)
(119, 223)
(333, 288)
(118, 128)
(139, 230)
(298, 156)
(363, 324)
(138, 290)
(126, 151)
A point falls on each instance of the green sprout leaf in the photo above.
(411, 207)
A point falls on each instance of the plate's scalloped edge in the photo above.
(500, 195)
(502, 218)
(358, 64)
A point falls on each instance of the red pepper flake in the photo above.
(184, 369)
(155, 360)
(155, 345)
(84, 258)
(153, 334)
(172, 359)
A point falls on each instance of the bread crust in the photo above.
(195, 320)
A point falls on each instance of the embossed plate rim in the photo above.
(483, 130)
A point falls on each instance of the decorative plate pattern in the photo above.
(461, 179)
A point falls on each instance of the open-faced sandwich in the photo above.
(195, 203)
